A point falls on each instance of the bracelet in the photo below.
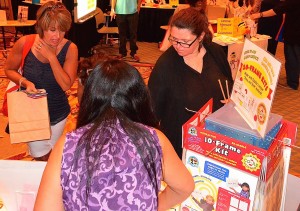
(261, 15)
(21, 80)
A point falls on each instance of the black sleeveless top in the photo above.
(42, 76)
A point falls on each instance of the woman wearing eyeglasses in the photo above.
(50, 64)
(186, 76)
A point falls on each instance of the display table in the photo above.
(14, 23)
(150, 20)
(19, 182)
(20, 177)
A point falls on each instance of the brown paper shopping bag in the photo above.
(28, 118)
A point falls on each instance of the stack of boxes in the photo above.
(238, 158)
(231, 168)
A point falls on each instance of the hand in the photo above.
(30, 87)
(44, 49)
(112, 15)
(226, 101)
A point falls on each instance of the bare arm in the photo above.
(13, 63)
(49, 195)
(139, 3)
(112, 12)
(267, 13)
(179, 187)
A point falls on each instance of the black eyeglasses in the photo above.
(182, 44)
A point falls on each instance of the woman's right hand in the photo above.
(30, 87)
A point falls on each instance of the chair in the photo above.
(102, 25)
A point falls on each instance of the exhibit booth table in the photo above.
(19, 182)
(151, 17)
(14, 23)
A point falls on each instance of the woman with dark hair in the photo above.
(201, 5)
(186, 76)
(51, 64)
(85, 67)
(115, 159)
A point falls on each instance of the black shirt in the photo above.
(176, 87)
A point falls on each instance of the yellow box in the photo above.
(231, 26)
(174, 2)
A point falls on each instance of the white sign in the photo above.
(254, 86)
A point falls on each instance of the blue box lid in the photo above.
(228, 116)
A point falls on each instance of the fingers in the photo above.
(31, 88)
(39, 46)
(225, 101)
(112, 17)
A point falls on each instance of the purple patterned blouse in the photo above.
(120, 183)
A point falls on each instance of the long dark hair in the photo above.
(194, 20)
(115, 92)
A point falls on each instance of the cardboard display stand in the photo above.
(255, 85)
(220, 165)
(238, 155)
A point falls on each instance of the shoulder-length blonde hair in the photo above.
(52, 12)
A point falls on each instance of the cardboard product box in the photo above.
(229, 122)
(230, 174)
(231, 26)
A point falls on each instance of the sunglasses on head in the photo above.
(57, 5)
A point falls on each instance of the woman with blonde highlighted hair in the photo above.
(50, 64)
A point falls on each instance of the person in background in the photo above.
(291, 34)
(270, 25)
(231, 7)
(51, 64)
(186, 76)
(115, 159)
(85, 66)
(253, 6)
(201, 4)
(266, 26)
(126, 13)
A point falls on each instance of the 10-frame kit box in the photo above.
(230, 174)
